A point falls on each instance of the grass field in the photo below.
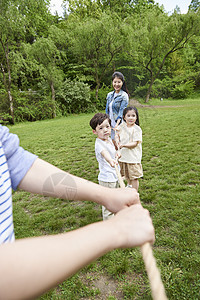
(169, 189)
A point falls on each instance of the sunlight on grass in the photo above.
(169, 189)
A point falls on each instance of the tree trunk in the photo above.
(97, 90)
(11, 106)
(53, 99)
(149, 91)
(8, 88)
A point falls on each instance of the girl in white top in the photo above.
(129, 140)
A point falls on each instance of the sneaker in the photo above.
(129, 186)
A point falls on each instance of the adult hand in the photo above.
(133, 227)
(117, 199)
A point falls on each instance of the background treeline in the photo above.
(52, 66)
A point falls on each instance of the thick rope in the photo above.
(157, 287)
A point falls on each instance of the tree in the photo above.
(18, 21)
(45, 53)
(154, 36)
(194, 5)
(95, 42)
(10, 34)
(84, 8)
(88, 8)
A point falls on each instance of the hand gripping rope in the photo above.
(157, 287)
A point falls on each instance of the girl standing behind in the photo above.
(129, 140)
(117, 101)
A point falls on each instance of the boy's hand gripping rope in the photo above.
(157, 287)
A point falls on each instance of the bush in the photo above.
(182, 90)
(4, 103)
(141, 91)
(100, 103)
(162, 88)
(30, 106)
(73, 97)
(5, 118)
(177, 88)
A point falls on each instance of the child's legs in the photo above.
(134, 172)
(105, 212)
(134, 183)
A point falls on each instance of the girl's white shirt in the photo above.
(128, 135)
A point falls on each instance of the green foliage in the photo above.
(100, 103)
(176, 88)
(73, 97)
(3, 100)
(95, 43)
(153, 36)
(194, 5)
(141, 91)
(39, 51)
(182, 90)
(84, 8)
(5, 118)
(32, 106)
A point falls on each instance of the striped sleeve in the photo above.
(19, 160)
(6, 216)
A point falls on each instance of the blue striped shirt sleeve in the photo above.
(19, 160)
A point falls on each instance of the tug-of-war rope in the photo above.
(157, 287)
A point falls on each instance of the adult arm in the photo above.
(48, 180)
(32, 266)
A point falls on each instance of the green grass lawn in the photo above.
(169, 189)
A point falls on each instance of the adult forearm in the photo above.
(46, 179)
(30, 267)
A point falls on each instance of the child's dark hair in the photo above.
(127, 109)
(98, 119)
(120, 76)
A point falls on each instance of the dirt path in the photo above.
(136, 103)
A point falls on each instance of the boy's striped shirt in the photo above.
(6, 215)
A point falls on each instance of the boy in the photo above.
(105, 154)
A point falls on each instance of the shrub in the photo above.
(182, 90)
(177, 87)
(73, 97)
(100, 103)
(32, 106)
(162, 88)
(141, 91)
(5, 118)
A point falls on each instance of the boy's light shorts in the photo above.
(131, 171)
(112, 185)
(105, 212)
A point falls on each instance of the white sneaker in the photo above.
(129, 186)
